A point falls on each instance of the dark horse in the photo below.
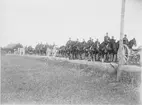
(103, 50)
(112, 49)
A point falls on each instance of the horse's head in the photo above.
(134, 42)
(108, 46)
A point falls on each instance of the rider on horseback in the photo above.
(89, 40)
(68, 42)
(77, 42)
(83, 41)
(97, 42)
(112, 39)
(83, 44)
(125, 40)
(106, 38)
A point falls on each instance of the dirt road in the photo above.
(36, 80)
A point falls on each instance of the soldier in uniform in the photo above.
(83, 41)
(97, 42)
(112, 39)
(89, 40)
(77, 42)
(106, 38)
(68, 42)
(125, 40)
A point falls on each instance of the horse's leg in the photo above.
(94, 56)
(82, 55)
(108, 57)
(79, 55)
(114, 57)
(97, 56)
(91, 56)
(104, 57)
(111, 57)
(72, 55)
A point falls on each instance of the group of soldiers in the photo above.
(107, 39)
(94, 49)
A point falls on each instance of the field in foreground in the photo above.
(39, 80)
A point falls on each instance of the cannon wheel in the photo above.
(126, 52)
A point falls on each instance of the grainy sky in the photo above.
(32, 21)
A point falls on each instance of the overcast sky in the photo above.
(32, 21)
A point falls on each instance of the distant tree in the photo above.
(11, 47)
(41, 48)
(18, 45)
(30, 49)
(37, 49)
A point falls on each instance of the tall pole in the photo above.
(120, 50)
(141, 76)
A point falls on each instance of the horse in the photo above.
(112, 50)
(96, 50)
(103, 50)
(82, 50)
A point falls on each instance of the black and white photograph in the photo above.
(71, 52)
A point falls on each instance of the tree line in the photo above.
(39, 49)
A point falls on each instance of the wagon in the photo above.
(132, 56)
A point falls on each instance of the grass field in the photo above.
(39, 80)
